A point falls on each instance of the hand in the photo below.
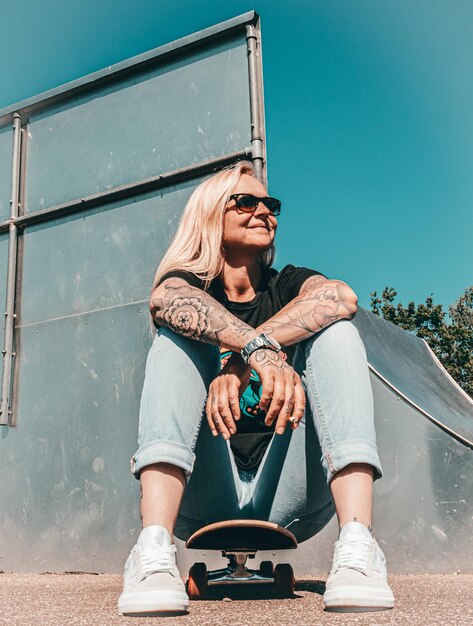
(282, 389)
(223, 401)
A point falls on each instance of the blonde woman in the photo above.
(256, 401)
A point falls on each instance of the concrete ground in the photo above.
(90, 600)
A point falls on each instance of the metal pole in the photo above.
(5, 406)
(258, 143)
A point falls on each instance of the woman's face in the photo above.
(249, 230)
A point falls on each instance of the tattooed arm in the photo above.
(320, 302)
(192, 312)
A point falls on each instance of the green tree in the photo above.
(452, 342)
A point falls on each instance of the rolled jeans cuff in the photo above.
(161, 451)
(354, 451)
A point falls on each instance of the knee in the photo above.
(186, 344)
(180, 351)
(341, 336)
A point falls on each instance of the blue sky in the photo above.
(369, 120)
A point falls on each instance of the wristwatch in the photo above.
(261, 341)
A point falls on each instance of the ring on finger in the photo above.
(294, 420)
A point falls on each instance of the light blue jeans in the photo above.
(291, 485)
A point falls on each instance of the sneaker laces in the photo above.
(353, 555)
(156, 559)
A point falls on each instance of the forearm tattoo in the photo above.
(193, 313)
(320, 305)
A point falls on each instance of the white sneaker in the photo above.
(152, 583)
(358, 579)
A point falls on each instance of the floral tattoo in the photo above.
(194, 313)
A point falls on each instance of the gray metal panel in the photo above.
(82, 341)
(407, 363)
(166, 118)
(424, 507)
(105, 257)
(66, 464)
(6, 152)
(68, 496)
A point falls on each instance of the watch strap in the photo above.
(259, 342)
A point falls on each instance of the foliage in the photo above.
(451, 342)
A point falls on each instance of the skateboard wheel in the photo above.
(284, 579)
(266, 569)
(197, 581)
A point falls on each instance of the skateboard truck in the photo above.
(237, 560)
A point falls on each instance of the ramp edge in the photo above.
(452, 380)
(435, 421)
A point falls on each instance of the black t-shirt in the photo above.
(250, 441)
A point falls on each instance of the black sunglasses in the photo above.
(249, 203)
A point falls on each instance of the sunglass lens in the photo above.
(273, 205)
(247, 202)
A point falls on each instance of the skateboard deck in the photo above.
(238, 541)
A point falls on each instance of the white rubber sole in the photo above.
(354, 599)
(152, 602)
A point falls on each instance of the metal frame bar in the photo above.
(19, 114)
(131, 189)
(8, 354)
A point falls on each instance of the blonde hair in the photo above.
(197, 245)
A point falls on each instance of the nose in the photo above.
(261, 208)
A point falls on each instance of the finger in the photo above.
(287, 408)
(217, 418)
(277, 401)
(266, 392)
(234, 402)
(299, 400)
(225, 411)
(208, 412)
(220, 424)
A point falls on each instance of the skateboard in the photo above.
(239, 540)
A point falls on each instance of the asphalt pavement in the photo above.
(90, 600)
